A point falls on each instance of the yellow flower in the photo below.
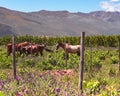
(109, 88)
(1, 94)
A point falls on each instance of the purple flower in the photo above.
(17, 78)
(23, 88)
(57, 90)
(27, 91)
(1, 85)
(18, 94)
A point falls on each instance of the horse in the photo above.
(17, 47)
(9, 49)
(29, 49)
(35, 49)
(69, 48)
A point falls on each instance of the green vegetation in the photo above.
(35, 73)
(100, 40)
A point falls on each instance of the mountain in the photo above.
(58, 23)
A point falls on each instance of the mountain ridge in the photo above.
(58, 23)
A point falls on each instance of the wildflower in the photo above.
(27, 91)
(1, 85)
(18, 80)
(23, 88)
(18, 94)
(57, 90)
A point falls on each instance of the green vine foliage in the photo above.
(98, 80)
(99, 40)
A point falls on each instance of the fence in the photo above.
(14, 72)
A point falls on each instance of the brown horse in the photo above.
(17, 47)
(35, 49)
(69, 48)
(9, 49)
(29, 49)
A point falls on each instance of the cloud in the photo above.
(114, 0)
(111, 5)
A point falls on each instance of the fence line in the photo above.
(90, 57)
(14, 56)
(119, 54)
(81, 67)
(81, 58)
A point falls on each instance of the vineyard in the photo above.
(49, 75)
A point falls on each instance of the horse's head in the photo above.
(43, 44)
(58, 45)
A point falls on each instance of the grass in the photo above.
(36, 75)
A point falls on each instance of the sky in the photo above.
(84, 6)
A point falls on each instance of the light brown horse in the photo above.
(69, 48)
(17, 47)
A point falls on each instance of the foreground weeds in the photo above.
(51, 76)
(50, 83)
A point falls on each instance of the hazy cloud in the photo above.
(111, 5)
(114, 0)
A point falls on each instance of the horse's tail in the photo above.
(48, 50)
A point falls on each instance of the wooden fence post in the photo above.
(14, 56)
(90, 56)
(119, 53)
(81, 67)
(65, 55)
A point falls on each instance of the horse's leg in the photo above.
(28, 52)
(21, 52)
(36, 52)
(66, 56)
(41, 53)
(78, 53)
(8, 53)
(24, 51)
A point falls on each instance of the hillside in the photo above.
(58, 23)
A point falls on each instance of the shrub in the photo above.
(112, 72)
(29, 62)
(44, 65)
(93, 87)
(102, 56)
(96, 63)
(114, 60)
(3, 76)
